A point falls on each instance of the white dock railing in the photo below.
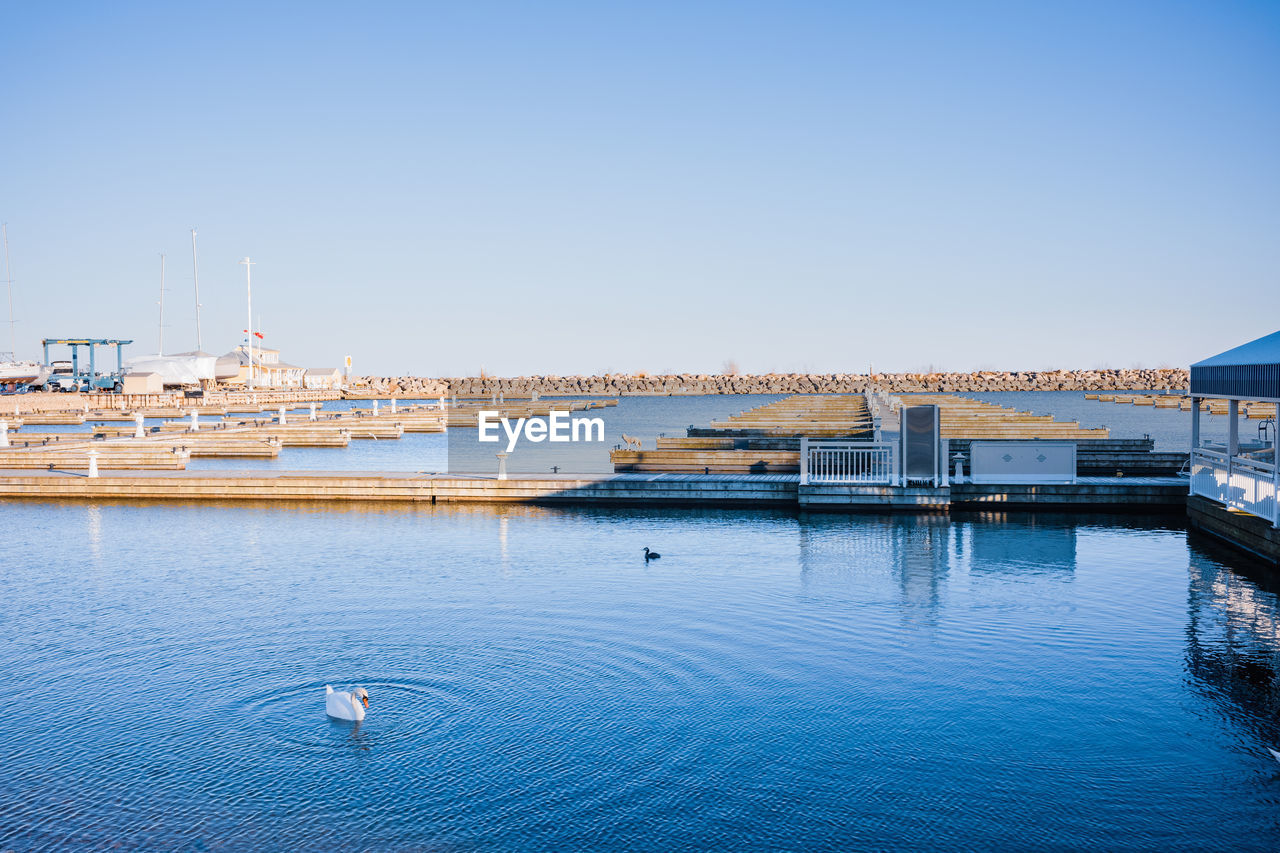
(1236, 481)
(839, 461)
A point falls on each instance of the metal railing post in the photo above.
(1275, 485)
(804, 461)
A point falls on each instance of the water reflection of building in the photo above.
(907, 556)
(1233, 641)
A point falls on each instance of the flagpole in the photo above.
(248, 286)
(195, 268)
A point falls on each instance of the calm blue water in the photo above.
(772, 683)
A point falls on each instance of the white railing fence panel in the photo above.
(856, 462)
(1235, 481)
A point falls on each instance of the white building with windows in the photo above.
(267, 368)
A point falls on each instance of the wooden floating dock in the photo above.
(117, 447)
(837, 416)
(110, 456)
(766, 439)
(226, 434)
(962, 417)
(465, 413)
(714, 490)
(1182, 402)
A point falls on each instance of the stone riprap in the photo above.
(1133, 379)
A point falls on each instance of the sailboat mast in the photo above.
(160, 341)
(195, 266)
(13, 334)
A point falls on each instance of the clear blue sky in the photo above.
(580, 187)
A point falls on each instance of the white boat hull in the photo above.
(23, 373)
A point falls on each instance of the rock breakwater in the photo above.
(616, 385)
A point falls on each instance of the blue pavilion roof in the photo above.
(1249, 371)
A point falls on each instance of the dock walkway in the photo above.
(667, 489)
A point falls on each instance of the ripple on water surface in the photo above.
(773, 683)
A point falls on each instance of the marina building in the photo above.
(1235, 484)
(267, 369)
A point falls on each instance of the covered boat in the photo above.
(184, 368)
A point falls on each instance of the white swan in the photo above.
(346, 706)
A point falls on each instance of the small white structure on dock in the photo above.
(142, 383)
(322, 377)
(1239, 475)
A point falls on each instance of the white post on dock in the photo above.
(804, 460)
(283, 417)
(502, 465)
(944, 449)
(4, 433)
(393, 405)
(442, 403)
(93, 462)
(140, 432)
(195, 421)
(313, 412)
(375, 408)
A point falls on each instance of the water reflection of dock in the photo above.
(1233, 642)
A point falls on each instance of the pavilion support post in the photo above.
(1233, 427)
(1233, 441)
(1195, 443)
